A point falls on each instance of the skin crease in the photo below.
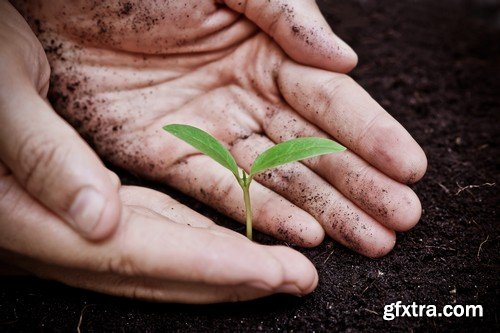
(252, 73)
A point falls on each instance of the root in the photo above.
(481, 246)
(468, 187)
(81, 317)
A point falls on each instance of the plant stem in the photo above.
(244, 180)
(248, 209)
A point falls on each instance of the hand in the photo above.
(161, 251)
(47, 157)
(252, 73)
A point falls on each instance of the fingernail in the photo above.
(289, 288)
(87, 209)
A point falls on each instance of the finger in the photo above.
(339, 106)
(55, 165)
(342, 219)
(163, 205)
(153, 289)
(149, 289)
(153, 204)
(146, 247)
(201, 177)
(301, 31)
(389, 202)
(115, 180)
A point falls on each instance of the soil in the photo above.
(435, 65)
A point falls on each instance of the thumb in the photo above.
(301, 31)
(55, 165)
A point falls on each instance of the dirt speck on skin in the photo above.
(435, 66)
(126, 9)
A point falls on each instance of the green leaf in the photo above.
(292, 151)
(205, 143)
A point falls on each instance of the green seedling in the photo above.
(282, 153)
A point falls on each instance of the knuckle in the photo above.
(127, 287)
(333, 88)
(123, 261)
(221, 188)
(206, 267)
(139, 290)
(122, 264)
(233, 295)
(40, 160)
(337, 82)
(275, 274)
(276, 277)
(274, 20)
(371, 128)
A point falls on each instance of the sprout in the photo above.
(282, 153)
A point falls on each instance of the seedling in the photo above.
(282, 153)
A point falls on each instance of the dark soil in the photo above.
(435, 65)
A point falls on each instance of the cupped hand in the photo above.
(47, 157)
(252, 73)
(161, 251)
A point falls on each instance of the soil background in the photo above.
(435, 66)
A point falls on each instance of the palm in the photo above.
(236, 82)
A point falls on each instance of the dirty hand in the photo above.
(162, 251)
(252, 73)
(159, 250)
